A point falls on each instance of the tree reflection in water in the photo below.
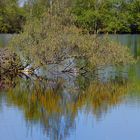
(55, 103)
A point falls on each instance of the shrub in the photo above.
(54, 38)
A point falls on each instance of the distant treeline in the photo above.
(97, 16)
(113, 16)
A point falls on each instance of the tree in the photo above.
(114, 16)
(11, 17)
(90, 14)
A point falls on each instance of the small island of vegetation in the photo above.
(53, 32)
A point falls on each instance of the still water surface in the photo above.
(105, 107)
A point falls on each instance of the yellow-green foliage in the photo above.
(9, 61)
(54, 37)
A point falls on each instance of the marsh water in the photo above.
(104, 105)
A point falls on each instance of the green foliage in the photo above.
(35, 8)
(108, 16)
(11, 17)
(97, 16)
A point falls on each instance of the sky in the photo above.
(21, 2)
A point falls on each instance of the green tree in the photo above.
(114, 16)
(11, 17)
(90, 14)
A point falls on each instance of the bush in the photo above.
(54, 38)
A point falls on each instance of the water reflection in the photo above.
(51, 104)
(4, 39)
(131, 41)
(54, 104)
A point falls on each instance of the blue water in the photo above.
(66, 116)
